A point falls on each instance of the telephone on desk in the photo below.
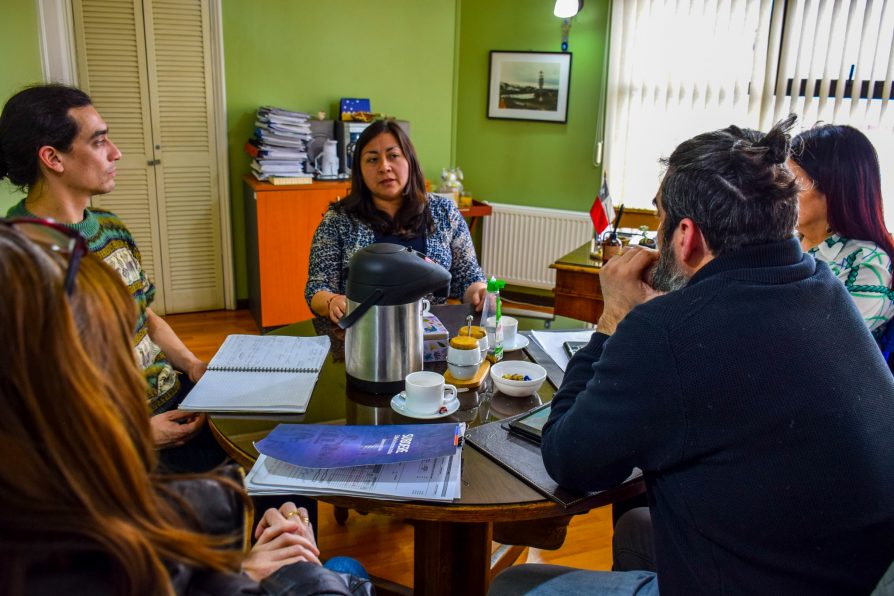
(571, 347)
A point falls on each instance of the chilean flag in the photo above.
(602, 212)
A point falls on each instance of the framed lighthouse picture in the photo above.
(529, 86)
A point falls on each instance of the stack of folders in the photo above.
(418, 462)
(279, 146)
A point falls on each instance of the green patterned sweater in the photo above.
(109, 239)
(865, 270)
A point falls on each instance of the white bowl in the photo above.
(536, 373)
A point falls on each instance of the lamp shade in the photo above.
(565, 9)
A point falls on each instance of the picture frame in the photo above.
(529, 86)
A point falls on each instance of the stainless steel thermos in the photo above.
(383, 338)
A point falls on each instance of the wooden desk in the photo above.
(578, 294)
(452, 544)
(475, 213)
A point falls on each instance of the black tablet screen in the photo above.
(530, 426)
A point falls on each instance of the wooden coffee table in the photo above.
(452, 545)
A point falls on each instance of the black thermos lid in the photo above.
(402, 274)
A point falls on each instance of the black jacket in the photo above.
(762, 415)
(77, 569)
(87, 574)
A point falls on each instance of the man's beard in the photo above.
(667, 277)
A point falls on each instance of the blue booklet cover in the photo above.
(331, 446)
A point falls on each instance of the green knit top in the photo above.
(109, 239)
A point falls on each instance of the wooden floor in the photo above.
(385, 545)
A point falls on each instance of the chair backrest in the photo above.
(886, 344)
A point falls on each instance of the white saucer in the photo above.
(397, 404)
(521, 341)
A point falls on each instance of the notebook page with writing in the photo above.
(271, 353)
(253, 373)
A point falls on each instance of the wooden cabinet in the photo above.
(280, 224)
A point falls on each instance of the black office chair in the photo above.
(886, 344)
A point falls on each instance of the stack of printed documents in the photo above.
(393, 462)
(552, 342)
(279, 144)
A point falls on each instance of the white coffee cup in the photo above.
(426, 392)
(510, 329)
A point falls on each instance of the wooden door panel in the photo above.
(178, 49)
(112, 68)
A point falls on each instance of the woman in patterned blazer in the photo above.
(388, 203)
(840, 217)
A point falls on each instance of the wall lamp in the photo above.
(565, 9)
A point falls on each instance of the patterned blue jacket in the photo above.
(339, 236)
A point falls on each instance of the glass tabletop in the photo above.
(336, 401)
(490, 493)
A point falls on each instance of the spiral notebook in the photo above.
(260, 373)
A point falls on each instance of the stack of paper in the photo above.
(395, 462)
(552, 342)
(279, 144)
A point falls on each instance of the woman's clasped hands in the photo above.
(284, 536)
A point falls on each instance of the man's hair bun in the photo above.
(734, 183)
(777, 142)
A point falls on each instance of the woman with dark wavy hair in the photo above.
(388, 203)
(82, 508)
(840, 217)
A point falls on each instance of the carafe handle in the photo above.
(364, 306)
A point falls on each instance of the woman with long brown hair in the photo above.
(388, 203)
(82, 508)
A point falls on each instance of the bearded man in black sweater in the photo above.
(742, 381)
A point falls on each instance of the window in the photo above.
(681, 67)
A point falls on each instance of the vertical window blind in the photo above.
(681, 67)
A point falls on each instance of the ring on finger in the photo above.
(298, 513)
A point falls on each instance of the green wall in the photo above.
(538, 164)
(405, 56)
(306, 55)
(19, 65)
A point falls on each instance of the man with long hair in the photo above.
(56, 146)
(766, 455)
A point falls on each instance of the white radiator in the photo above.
(520, 243)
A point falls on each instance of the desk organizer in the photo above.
(435, 339)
